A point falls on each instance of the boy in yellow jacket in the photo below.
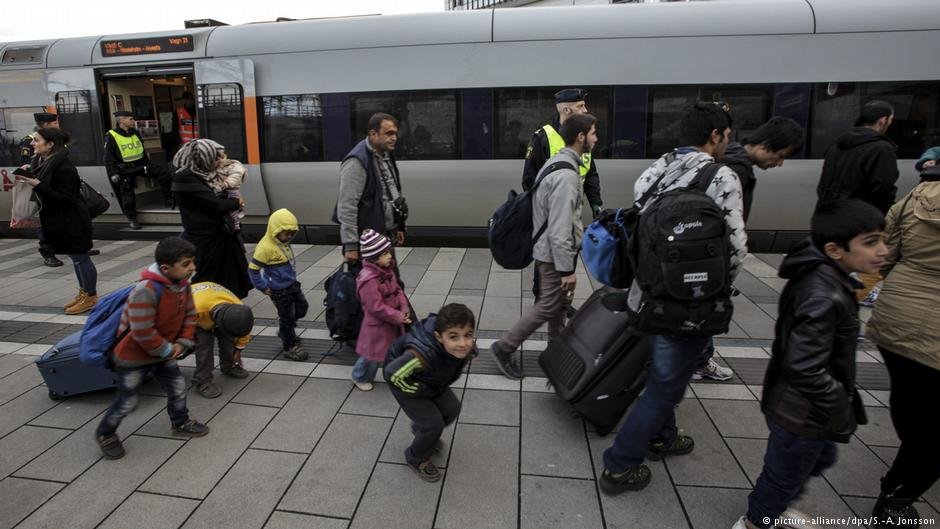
(273, 272)
(222, 317)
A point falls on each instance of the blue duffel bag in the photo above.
(605, 247)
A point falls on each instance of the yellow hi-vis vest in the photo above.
(556, 143)
(131, 147)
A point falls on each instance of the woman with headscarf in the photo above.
(220, 255)
(63, 214)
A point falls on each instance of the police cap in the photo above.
(570, 95)
(45, 117)
(123, 114)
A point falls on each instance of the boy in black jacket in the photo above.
(809, 399)
(420, 367)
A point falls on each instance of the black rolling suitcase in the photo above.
(65, 375)
(597, 364)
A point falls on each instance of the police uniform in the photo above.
(546, 142)
(125, 159)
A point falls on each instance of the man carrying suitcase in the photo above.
(557, 206)
(677, 322)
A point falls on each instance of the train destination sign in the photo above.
(171, 44)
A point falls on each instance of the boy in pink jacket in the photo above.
(385, 307)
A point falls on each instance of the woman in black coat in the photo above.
(63, 214)
(220, 253)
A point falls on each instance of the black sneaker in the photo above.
(208, 390)
(635, 478)
(52, 261)
(94, 251)
(509, 363)
(427, 471)
(134, 225)
(894, 511)
(657, 450)
(191, 428)
(295, 353)
(237, 371)
(111, 446)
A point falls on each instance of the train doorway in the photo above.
(160, 99)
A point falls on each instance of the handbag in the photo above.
(95, 201)
(25, 211)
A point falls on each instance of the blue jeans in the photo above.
(291, 306)
(654, 417)
(707, 353)
(171, 379)
(788, 463)
(86, 272)
(364, 370)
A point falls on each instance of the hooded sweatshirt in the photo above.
(419, 366)
(155, 324)
(272, 264)
(737, 158)
(862, 164)
(207, 296)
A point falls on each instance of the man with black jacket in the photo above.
(767, 147)
(809, 397)
(863, 164)
(125, 159)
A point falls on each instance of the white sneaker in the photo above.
(364, 386)
(795, 519)
(713, 371)
(740, 524)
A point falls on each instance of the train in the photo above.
(290, 98)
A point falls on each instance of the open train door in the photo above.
(228, 114)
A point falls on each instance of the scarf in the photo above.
(198, 156)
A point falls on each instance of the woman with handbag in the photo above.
(63, 214)
(904, 328)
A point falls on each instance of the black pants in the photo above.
(915, 392)
(430, 417)
(125, 189)
(291, 306)
(45, 249)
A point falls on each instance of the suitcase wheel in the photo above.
(55, 396)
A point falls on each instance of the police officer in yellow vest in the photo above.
(546, 142)
(125, 159)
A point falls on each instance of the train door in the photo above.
(153, 94)
(228, 114)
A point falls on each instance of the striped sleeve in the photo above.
(141, 315)
(401, 369)
(187, 334)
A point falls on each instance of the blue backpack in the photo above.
(510, 231)
(605, 247)
(99, 335)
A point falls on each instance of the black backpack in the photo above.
(343, 310)
(510, 228)
(682, 260)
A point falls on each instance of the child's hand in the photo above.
(406, 318)
(267, 292)
(177, 351)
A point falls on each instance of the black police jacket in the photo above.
(809, 387)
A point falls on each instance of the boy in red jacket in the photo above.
(162, 323)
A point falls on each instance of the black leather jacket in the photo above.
(809, 387)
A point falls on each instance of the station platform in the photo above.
(296, 446)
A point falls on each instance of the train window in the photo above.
(427, 121)
(750, 107)
(916, 125)
(15, 125)
(292, 128)
(222, 117)
(76, 118)
(522, 111)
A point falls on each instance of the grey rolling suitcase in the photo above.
(597, 363)
(65, 375)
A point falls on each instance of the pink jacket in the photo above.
(384, 304)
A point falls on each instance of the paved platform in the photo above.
(295, 446)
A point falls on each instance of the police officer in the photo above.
(43, 120)
(125, 159)
(546, 142)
